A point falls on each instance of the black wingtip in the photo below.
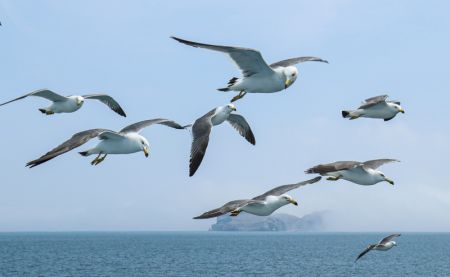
(345, 114)
(309, 171)
(177, 39)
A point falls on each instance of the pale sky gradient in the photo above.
(123, 48)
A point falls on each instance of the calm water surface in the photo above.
(220, 254)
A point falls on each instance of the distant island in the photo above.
(276, 222)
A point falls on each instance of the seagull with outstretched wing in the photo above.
(257, 75)
(202, 128)
(262, 205)
(362, 173)
(126, 141)
(375, 107)
(383, 245)
(69, 104)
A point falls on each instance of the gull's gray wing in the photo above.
(107, 100)
(294, 61)
(228, 207)
(241, 125)
(138, 126)
(332, 167)
(75, 141)
(248, 60)
(285, 188)
(370, 247)
(374, 164)
(44, 93)
(395, 102)
(370, 102)
(388, 238)
(200, 132)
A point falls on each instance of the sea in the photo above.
(220, 254)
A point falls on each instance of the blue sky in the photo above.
(123, 49)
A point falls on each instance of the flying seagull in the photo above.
(262, 205)
(69, 104)
(258, 76)
(383, 245)
(202, 128)
(362, 173)
(376, 107)
(126, 141)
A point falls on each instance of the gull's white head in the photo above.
(381, 177)
(79, 100)
(290, 74)
(394, 243)
(397, 107)
(288, 199)
(230, 107)
(145, 146)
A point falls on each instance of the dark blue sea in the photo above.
(220, 254)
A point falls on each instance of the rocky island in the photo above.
(276, 222)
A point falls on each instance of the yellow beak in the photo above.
(389, 181)
(146, 152)
(287, 83)
(293, 202)
(402, 110)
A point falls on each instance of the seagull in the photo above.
(362, 173)
(262, 205)
(126, 141)
(258, 76)
(384, 245)
(202, 128)
(376, 107)
(69, 104)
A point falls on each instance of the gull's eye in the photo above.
(293, 74)
(382, 175)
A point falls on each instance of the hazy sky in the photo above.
(123, 48)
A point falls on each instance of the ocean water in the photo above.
(220, 254)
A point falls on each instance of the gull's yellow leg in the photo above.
(94, 162)
(239, 96)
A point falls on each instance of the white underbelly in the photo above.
(260, 84)
(384, 113)
(360, 179)
(64, 107)
(118, 147)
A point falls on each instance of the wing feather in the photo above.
(370, 247)
(76, 140)
(388, 238)
(138, 126)
(248, 60)
(200, 132)
(285, 188)
(241, 125)
(332, 167)
(228, 207)
(294, 61)
(107, 100)
(44, 93)
(374, 164)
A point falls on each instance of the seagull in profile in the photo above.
(202, 128)
(376, 107)
(362, 173)
(383, 245)
(262, 205)
(126, 141)
(69, 104)
(258, 76)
